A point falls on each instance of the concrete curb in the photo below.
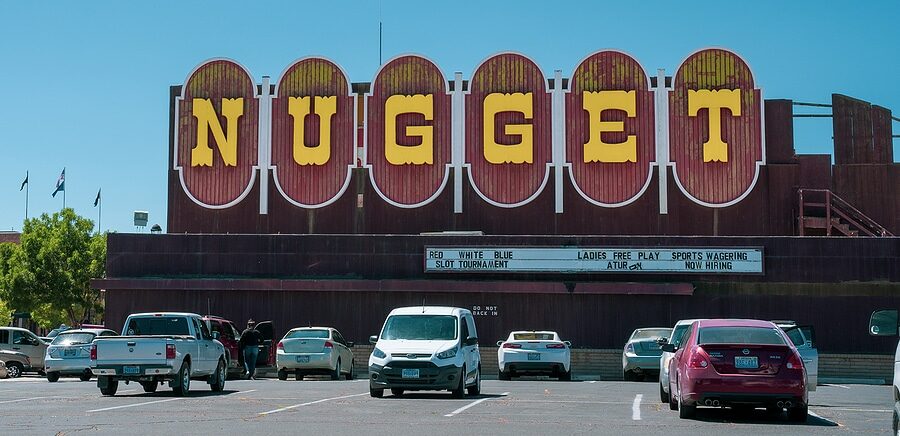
(852, 381)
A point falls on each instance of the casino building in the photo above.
(591, 204)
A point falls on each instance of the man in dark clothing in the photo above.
(249, 346)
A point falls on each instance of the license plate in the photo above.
(534, 356)
(302, 359)
(69, 352)
(410, 373)
(742, 362)
(131, 370)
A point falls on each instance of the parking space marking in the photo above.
(838, 386)
(592, 382)
(23, 399)
(310, 403)
(472, 404)
(849, 409)
(817, 416)
(636, 407)
(133, 405)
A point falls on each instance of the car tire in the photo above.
(184, 380)
(503, 375)
(336, 373)
(397, 392)
(282, 374)
(298, 375)
(685, 411)
(351, 374)
(566, 376)
(475, 389)
(14, 369)
(111, 386)
(798, 414)
(149, 387)
(663, 395)
(460, 390)
(218, 384)
(628, 376)
(53, 377)
(86, 376)
(376, 393)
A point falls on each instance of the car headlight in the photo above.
(447, 354)
(378, 354)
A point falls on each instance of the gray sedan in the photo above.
(641, 354)
(16, 362)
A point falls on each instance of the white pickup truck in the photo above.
(887, 323)
(156, 348)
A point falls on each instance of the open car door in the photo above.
(808, 351)
(266, 356)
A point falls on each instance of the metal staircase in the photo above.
(822, 213)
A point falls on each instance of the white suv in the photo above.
(426, 348)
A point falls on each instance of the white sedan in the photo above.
(534, 353)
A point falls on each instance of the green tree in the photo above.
(49, 272)
(5, 314)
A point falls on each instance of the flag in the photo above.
(24, 182)
(60, 183)
(97, 200)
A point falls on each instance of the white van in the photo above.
(426, 348)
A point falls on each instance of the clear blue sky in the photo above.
(84, 85)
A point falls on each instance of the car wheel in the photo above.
(476, 388)
(110, 386)
(298, 375)
(663, 395)
(350, 374)
(86, 376)
(896, 420)
(798, 414)
(566, 376)
(149, 387)
(218, 384)
(685, 411)
(52, 377)
(14, 369)
(184, 380)
(628, 376)
(503, 375)
(376, 393)
(336, 374)
(282, 374)
(397, 392)
(460, 390)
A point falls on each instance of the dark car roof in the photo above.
(735, 323)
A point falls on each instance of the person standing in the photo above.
(249, 345)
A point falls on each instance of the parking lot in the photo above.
(31, 405)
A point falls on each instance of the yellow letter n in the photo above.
(715, 149)
(298, 108)
(232, 109)
(597, 150)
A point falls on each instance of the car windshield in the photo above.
(533, 336)
(678, 334)
(420, 327)
(650, 333)
(740, 335)
(796, 336)
(307, 334)
(158, 325)
(73, 339)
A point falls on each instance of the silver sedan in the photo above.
(640, 356)
(314, 350)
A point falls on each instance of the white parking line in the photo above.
(23, 399)
(132, 405)
(838, 386)
(815, 415)
(310, 403)
(474, 403)
(636, 407)
(592, 382)
(848, 409)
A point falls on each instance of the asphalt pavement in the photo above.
(31, 405)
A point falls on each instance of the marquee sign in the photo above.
(608, 127)
(622, 260)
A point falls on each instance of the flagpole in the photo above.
(100, 215)
(27, 188)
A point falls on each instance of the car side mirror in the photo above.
(499, 343)
(373, 340)
(883, 323)
(471, 341)
(349, 344)
(662, 341)
(216, 335)
(668, 348)
(568, 344)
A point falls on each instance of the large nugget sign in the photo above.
(608, 127)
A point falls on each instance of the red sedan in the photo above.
(737, 363)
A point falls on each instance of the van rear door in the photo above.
(266, 356)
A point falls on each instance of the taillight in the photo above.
(556, 346)
(629, 348)
(509, 345)
(699, 359)
(170, 351)
(280, 345)
(795, 362)
(328, 344)
(93, 352)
